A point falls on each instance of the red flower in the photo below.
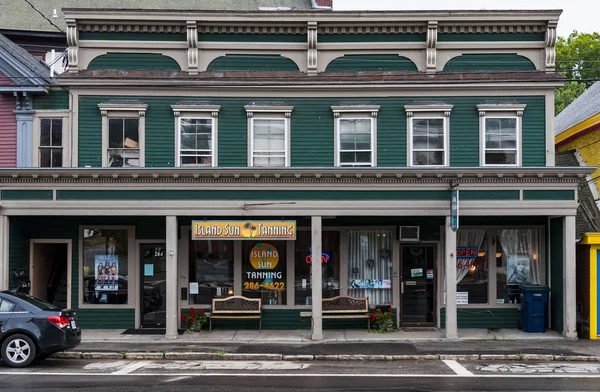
(182, 316)
(202, 312)
(192, 311)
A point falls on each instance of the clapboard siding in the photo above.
(371, 62)
(485, 318)
(375, 38)
(8, 132)
(252, 62)
(489, 62)
(55, 100)
(312, 130)
(106, 318)
(490, 37)
(134, 61)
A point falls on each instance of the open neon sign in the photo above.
(324, 258)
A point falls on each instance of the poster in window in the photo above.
(517, 269)
(107, 272)
(267, 272)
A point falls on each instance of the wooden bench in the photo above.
(344, 307)
(234, 307)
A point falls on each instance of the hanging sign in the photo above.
(454, 209)
(244, 230)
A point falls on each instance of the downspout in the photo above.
(315, 6)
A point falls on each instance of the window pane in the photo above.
(269, 138)
(264, 268)
(500, 158)
(57, 132)
(132, 139)
(115, 133)
(501, 133)
(45, 131)
(211, 266)
(105, 266)
(330, 266)
(45, 157)
(472, 270)
(428, 133)
(128, 157)
(435, 158)
(370, 265)
(57, 157)
(188, 141)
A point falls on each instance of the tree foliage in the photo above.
(578, 58)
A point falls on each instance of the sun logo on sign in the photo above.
(249, 230)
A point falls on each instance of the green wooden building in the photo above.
(358, 130)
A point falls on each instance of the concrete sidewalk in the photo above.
(349, 344)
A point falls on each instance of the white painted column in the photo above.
(569, 303)
(316, 279)
(450, 267)
(172, 308)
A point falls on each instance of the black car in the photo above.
(34, 329)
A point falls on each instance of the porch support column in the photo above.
(172, 308)
(317, 288)
(450, 267)
(569, 311)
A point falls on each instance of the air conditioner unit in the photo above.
(408, 234)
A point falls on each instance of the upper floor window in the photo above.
(355, 135)
(500, 134)
(123, 133)
(269, 135)
(196, 134)
(428, 134)
(51, 139)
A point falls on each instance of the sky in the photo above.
(580, 15)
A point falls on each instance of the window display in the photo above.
(264, 271)
(330, 265)
(211, 270)
(471, 265)
(105, 265)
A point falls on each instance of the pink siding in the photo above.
(8, 132)
(5, 80)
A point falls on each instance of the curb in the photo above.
(215, 356)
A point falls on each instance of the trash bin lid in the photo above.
(534, 287)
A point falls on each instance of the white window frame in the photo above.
(136, 110)
(64, 115)
(132, 268)
(427, 111)
(508, 110)
(355, 112)
(269, 112)
(193, 112)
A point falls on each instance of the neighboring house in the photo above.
(218, 153)
(578, 138)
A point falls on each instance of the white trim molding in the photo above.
(123, 110)
(501, 110)
(355, 112)
(196, 110)
(63, 115)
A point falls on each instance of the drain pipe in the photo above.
(319, 7)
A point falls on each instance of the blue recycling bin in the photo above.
(534, 299)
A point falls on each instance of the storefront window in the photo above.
(370, 265)
(518, 262)
(330, 266)
(264, 271)
(211, 270)
(471, 267)
(105, 264)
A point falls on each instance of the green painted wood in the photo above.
(252, 62)
(557, 276)
(106, 318)
(55, 100)
(371, 62)
(549, 194)
(216, 37)
(495, 37)
(484, 318)
(489, 62)
(26, 195)
(312, 135)
(134, 61)
(489, 195)
(410, 37)
(248, 195)
(131, 36)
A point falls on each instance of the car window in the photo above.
(38, 303)
(6, 306)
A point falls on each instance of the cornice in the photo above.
(328, 176)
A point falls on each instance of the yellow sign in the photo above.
(264, 256)
(243, 230)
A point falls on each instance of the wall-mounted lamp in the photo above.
(498, 255)
(534, 256)
(480, 254)
(229, 291)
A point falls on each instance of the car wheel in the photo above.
(18, 351)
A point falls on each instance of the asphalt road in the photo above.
(250, 376)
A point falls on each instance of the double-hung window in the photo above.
(428, 134)
(51, 139)
(500, 134)
(123, 133)
(355, 135)
(269, 135)
(196, 133)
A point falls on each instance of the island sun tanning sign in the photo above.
(243, 230)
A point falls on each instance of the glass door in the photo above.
(154, 284)
(417, 285)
